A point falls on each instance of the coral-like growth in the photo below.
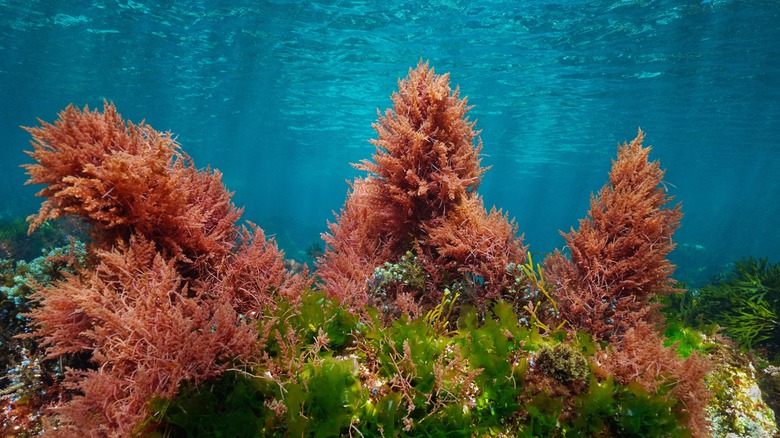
(175, 285)
(426, 161)
(420, 195)
(145, 333)
(358, 242)
(618, 255)
(125, 179)
(618, 263)
(478, 244)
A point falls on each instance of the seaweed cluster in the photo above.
(746, 303)
(425, 315)
(29, 382)
(360, 377)
(740, 307)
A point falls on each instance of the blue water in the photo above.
(280, 96)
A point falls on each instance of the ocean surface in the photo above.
(280, 96)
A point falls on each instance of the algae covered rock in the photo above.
(737, 409)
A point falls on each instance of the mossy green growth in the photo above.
(302, 386)
(416, 379)
(324, 373)
(498, 347)
(290, 328)
(562, 362)
(324, 399)
(738, 407)
(609, 409)
(231, 406)
(744, 303)
(409, 347)
(686, 340)
(542, 417)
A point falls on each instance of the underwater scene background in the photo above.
(280, 96)
(427, 313)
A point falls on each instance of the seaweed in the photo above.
(746, 303)
(410, 379)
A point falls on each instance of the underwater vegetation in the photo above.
(171, 276)
(618, 255)
(17, 244)
(425, 315)
(489, 377)
(746, 303)
(420, 195)
(29, 383)
(741, 304)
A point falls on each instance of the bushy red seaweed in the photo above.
(420, 195)
(175, 288)
(618, 263)
(618, 255)
(175, 283)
